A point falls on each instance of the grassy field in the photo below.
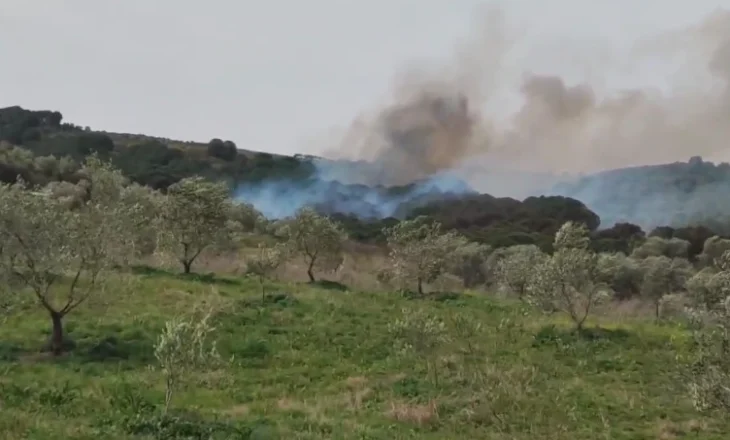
(319, 362)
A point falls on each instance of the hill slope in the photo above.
(318, 364)
(678, 194)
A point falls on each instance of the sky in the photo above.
(282, 76)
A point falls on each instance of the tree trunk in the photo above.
(420, 287)
(57, 333)
(187, 266)
(657, 309)
(310, 271)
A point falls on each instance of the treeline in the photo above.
(505, 222)
(40, 148)
(159, 163)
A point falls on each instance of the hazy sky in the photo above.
(269, 75)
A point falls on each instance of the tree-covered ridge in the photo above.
(676, 194)
(40, 148)
(147, 160)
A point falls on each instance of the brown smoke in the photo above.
(436, 122)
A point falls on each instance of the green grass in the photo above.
(319, 363)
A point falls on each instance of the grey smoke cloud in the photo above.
(445, 118)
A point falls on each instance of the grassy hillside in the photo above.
(317, 363)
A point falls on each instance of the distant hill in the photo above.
(40, 147)
(677, 194)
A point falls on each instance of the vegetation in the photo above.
(265, 262)
(40, 148)
(142, 356)
(317, 239)
(193, 217)
(420, 252)
(184, 347)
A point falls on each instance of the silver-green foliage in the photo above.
(657, 246)
(516, 267)
(568, 280)
(420, 334)
(623, 274)
(709, 383)
(184, 346)
(663, 276)
(193, 217)
(712, 250)
(264, 263)
(317, 239)
(62, 253)
(709, 313)
(468, 262)
(420, 251)
(144, 205)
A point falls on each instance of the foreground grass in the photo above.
(319, 363)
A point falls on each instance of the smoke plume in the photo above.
(470, 121)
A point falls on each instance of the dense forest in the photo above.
(39, 147)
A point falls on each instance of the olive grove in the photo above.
(62, 243)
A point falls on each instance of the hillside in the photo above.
(675, 194)
(180, 313)
(680, 195)
(317, 364)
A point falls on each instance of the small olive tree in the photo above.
(662, 276)
(709, 313)
(243, 223)
(623, 274)
(193, 217)
(658, 246)
(515, 269)
(420, 251)
(421, 334)
(712, 250)
(183, 347)
(144, 205)
(567, 281)
(265, 262)
(709, 380)
(317, 239)
(63, 254)
(469, 263)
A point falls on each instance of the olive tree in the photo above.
(469, 263)
(656, 246)
(265, 262)
(63, 255)
(243, 223)
(712, 250)
(183, 347)
(421, 334)
(711, 285)
(420, 251)
(623, 274)
(516, 266)
(317, 239)
(567, 280)
(662, 276)
(709, 382)
(709, 367)
(192, 218)
(144, 204)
